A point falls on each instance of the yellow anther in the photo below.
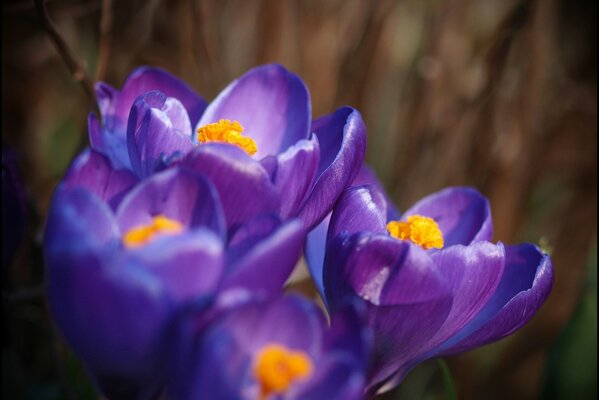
(142, 234)
(277, 368)
(423, 231)
(225, 131)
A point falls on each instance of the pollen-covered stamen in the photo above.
(277, 368)
(422, 231)
(226, 131)
(142, 234)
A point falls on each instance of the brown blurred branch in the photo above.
(105, 28)
(76, 69)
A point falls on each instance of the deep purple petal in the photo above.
(271, 103)
(268, 262)
(93, 171)
(295, 174)
(94, 131)
(524, 287)
(188, 266)
(115, 106)
(244, 187)
(177, 193)
(463, 214)
(158, 127)
(342, 138)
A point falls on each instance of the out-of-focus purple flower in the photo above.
(14, 207)
(277, 349)
(302, 166)
(432, 282)
(123, 258)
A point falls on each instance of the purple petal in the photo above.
(295, 174)
(524, 287)
(463, 214)
(92, 171)
(244, 187)
(188, 265)
(158, 127)
(115, 106)
(271, 103)
(342, 137)
(94, 131)
(360, 209)
(269, 261)
(176, 193)
(473, 274)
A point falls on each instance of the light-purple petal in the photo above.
(94, 172)
(463, 214)
(342, 138)
(271, 103)
(244, 187)
(176, 193)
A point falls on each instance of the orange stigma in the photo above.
(277, 368)
(226, 131)
(142, 234)
(420, 230)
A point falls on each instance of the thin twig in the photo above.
(105, 28)
(75, 67)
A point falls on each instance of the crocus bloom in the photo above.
(266, 350)
(123, 258)
(432, 282)
(302, 166)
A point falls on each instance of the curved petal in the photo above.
(398, 283)
(271, 103)
(93, 171)
(115, 106)
(473, 274)
(94, 131)
(158, 127)
(463, 214)
(360, 209)
(295, 174)
(177, 193)
(316, 241)
(524, 287)
(342, 137)
(268, 260)
(244, 187)
(188, 266)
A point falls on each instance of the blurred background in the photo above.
(496, 94)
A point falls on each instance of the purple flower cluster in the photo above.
(169, 242)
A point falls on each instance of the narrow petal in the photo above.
(524, 287)
(94, 131)
(295, 174)
(271, 103)
(268, 260)
(158, 127)
(360, 209)
(463, 214)
(244, 187)
(177, 193)
(342, 137)
(93, 171)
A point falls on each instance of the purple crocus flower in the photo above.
(432, 282)
(301, 166)
(266, 350)
(125, 257)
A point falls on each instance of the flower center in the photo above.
(226, 131)
(277, 368)
(423, 231)
(142, 234)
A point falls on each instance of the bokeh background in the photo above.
(497, 94)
